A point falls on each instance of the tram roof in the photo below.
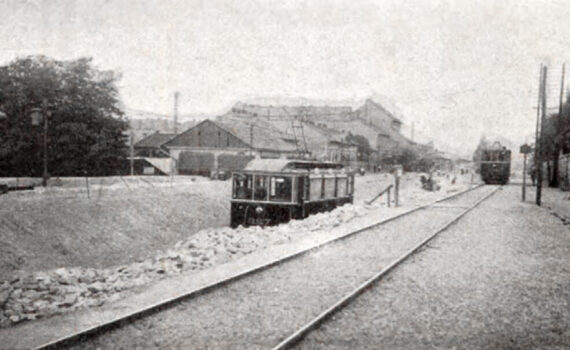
(284, 165)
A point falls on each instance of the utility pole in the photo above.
(524, 179)
(561, 93)
(47, 114)
(539, 141)
(538, 113)
(557, 139)
(534, 172)
(132, 151)
(251, 139)
(176, 96)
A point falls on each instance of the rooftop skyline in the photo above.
(458, 70)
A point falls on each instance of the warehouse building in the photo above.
(214, 147)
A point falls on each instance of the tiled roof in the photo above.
(371, 103)
(154, 140)
(263, 135)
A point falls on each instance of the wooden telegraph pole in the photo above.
(535, 160)
(524, 180)
(132, 151)
(557, 138)
(537, 117)
(538, 152)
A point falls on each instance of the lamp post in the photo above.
(37, 115)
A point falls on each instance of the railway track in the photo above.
(313, 324)
(456, 206)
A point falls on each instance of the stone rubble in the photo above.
(29, 296)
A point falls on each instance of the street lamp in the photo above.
(37, 115)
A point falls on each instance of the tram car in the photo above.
(495, 165)
(272, 191)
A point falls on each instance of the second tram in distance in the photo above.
(495, 165)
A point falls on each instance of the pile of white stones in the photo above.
(29, 296)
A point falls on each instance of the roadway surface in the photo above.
(498, 279)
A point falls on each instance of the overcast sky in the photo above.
(456, 68)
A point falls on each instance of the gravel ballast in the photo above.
(498, 279)
(257, 312)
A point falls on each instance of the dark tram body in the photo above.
(495, 165)
(272, 191)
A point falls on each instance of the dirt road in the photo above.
(499, 279)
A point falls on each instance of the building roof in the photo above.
(371, 103)
(155, 140)
(284, 165)
(344, 143)
(262, 136)
(322, 124)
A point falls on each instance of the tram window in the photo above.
(280, 189)
(242, 186)
(350, 184)
(329, 187)
(260, 192)
(315, 188)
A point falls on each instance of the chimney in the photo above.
(176, 95)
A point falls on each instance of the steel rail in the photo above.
(321, 318)
(148, 310)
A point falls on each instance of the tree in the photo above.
(425, 163)
(483, 144)
(85, 127)
(410, 159)
(363, 146)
